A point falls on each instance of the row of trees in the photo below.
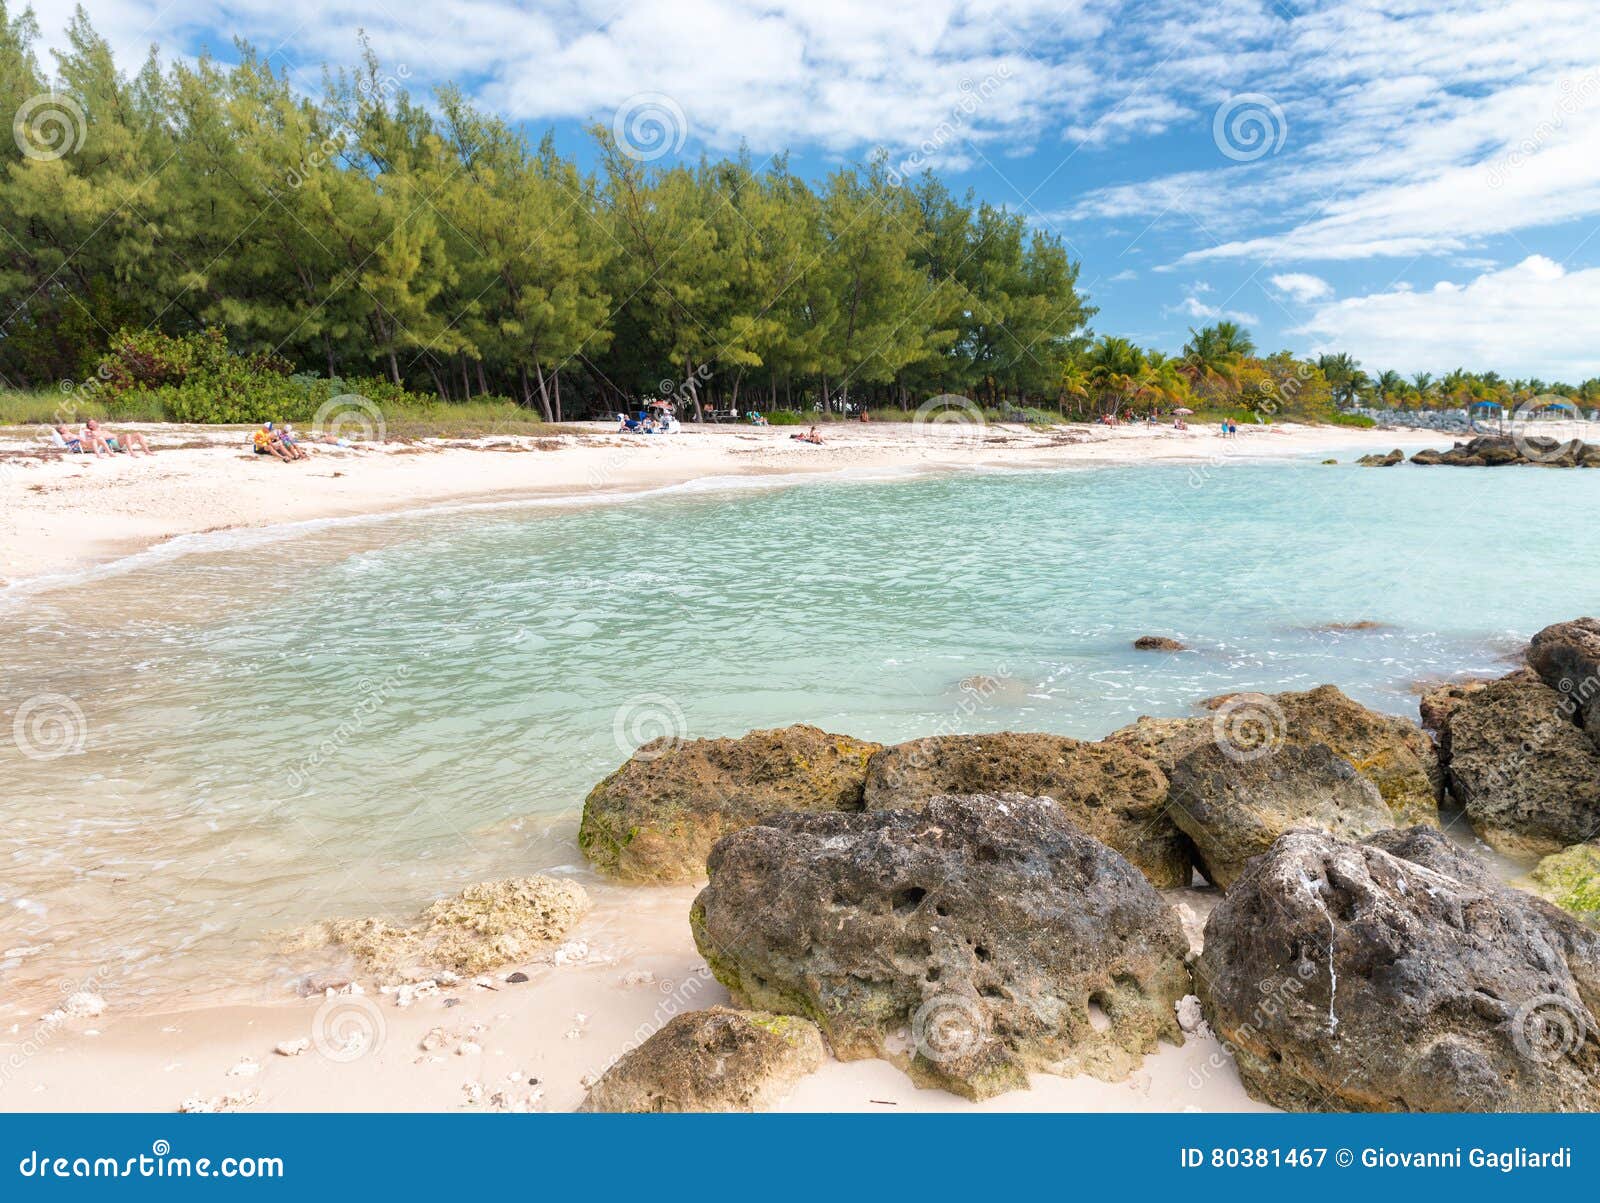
(1455, 389)
(365, 232)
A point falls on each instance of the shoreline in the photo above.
(65, 516)
(571, 1019)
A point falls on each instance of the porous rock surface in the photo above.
(1399, 975)
(1109, 789)
(970, 941)
(656, 817)
(717, 1059)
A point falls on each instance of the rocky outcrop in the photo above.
(1439, 702)
(712, 1060)
(489, 924)
(1112, 792)
(1347, 977)
(1571, 881)
(1235, 809)
(1158, 643)
(1163, 740)
(1527, 776)
(656, 817)
(1383, 461)
(970, 942)
(1567, 658)
(1493, 451)
(1388, 751)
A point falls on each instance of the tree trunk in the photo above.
(556, 376)
(544, 393)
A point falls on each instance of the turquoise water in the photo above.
(363, 716)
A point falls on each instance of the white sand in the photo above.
(59, 513)
(627, 988)
(62, 514)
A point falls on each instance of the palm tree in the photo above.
(1074, 381)
(1391, 386)
(1345, 378)
(1115, 365)
(1214, 354)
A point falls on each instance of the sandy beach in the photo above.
(60, 513)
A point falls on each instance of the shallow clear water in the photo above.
(364, 716)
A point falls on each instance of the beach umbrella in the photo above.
(1183, 409)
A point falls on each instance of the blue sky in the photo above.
(1417, 182)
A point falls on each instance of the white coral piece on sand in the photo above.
(1190, 1017)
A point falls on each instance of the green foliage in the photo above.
(367, 233)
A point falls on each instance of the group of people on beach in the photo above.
(93, 438)
(280, 442)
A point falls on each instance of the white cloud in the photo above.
(1193, 307)
(1302, 286)
(1532, 319)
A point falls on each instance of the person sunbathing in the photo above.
(125, 442)
(810, 436)
(66, 440)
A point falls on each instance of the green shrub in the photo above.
(787, 417)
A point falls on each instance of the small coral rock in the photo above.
(489, 924)
(712, 1060)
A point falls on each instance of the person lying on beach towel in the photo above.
(99, 437)
(810, 436)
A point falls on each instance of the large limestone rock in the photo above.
(1347, 977)
(1571, 881)
(1567, 658)
(1388, 751)
(656, 817)
(1438, 702)
(1236, 808)
(1111, 791)
(1163, 740)
(487, 925)
(1527, 776)
(712, 1060)
(970, 942)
